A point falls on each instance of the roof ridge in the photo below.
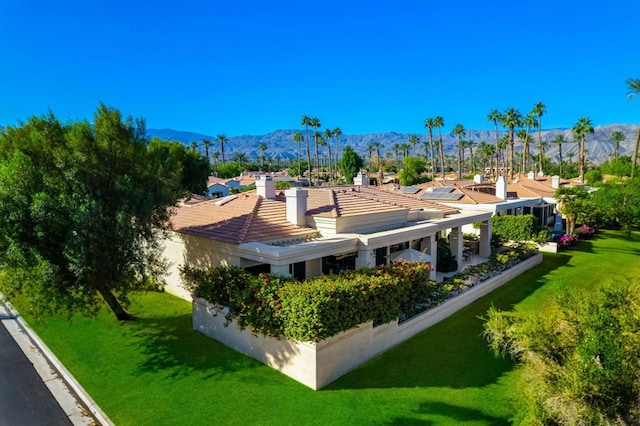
(247, 224)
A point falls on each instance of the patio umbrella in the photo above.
(411, 255)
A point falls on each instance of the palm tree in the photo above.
(297, 138)
(580, 130)
(413, 141)
(321, 141)
(315, 123)
(633, 86)
(494, 117)
(425, 144)
(370, 148)
(206, 143)
(459, 131)
(240, 158)
(430, 123)
(528, 121)
(215, 157)
(503, 144)
(511, 119)
(306, 122)
(617, 137)
(522, 136)
(222, 139)
(467, 144)
(439, 123)
(337, 133)
(538, 110)
(377, 145)
(570, 156)
(262, 148)
(193, 146)
(396, 148)
(559, 139)
(327, 136)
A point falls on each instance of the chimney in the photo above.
(531, 175)
(361, 179)
(266, 187)
(501, 188)
(477, 178)
(297, 205)
(555, 182)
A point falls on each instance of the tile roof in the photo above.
(248, 217)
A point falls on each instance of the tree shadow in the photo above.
(170, 345)
(453, 352)
(453, 412)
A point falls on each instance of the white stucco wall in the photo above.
(317, 364)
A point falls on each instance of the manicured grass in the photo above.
(157, 370)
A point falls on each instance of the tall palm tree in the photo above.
(396, 149)
(495, 117)
(617, 137)
(222, 139)
(262, 147)
(206, 143)
(539, 110)
(327, 136)
(215, 156)
(193, 146)
(315, 123)
(528, 121)
(633, 86)
(559, 139)
(425, 145)
(459, 131)
(580, 130)
(522, 136)
(321, 141)
(377, 145)
(370, 149)
(413, 141)
(503, 144)
(240, 158)
(306, 122)
(467, 144)
(511, 119)
(337, 133)
(439, 123)
(297, 139)
(429, 124)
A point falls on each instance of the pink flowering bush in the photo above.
(584, 232)
(566, 240)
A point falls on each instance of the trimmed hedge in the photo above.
(318, 308)
(515, 228)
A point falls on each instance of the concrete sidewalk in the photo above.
(72, 398)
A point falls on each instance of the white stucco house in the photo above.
(309, 232)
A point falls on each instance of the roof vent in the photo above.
(225, 200)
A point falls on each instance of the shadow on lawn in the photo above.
(171, 346)
(452, 353)
(453, 412)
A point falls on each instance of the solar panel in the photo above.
(441, 196)
(445, 189)
(411, 190)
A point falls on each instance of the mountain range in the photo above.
(280, 142)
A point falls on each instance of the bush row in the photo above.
(317, 308)
(517, 228)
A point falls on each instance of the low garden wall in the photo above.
(317, 364)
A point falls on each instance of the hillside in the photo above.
(280, 142)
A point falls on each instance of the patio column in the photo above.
(366, 258)
(485, 239)
(456, 245)
(282, 270)
(433, 252)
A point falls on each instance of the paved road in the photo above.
(24, 398)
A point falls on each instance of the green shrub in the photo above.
(514, 228)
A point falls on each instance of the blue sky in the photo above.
(250, 67)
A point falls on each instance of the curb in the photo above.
(65, 375)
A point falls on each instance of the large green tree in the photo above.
(80, 209)
(350, 164)
(619, 200)
(185, 170)
(412, 167)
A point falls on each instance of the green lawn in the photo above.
(157, 371)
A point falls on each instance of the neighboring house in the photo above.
(309, 232)
(531, 195)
